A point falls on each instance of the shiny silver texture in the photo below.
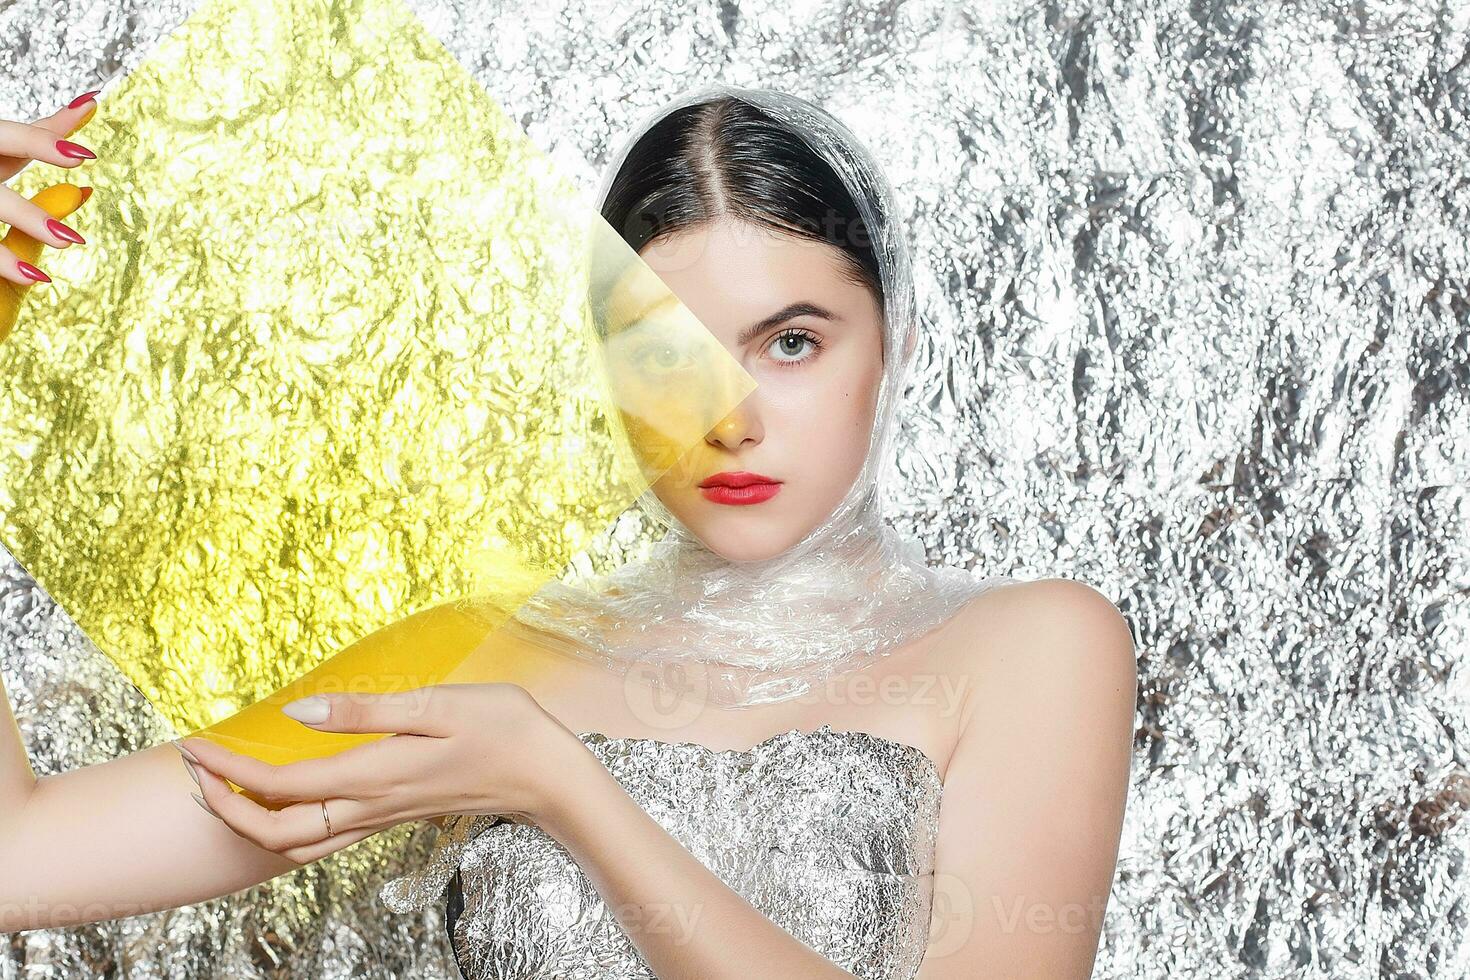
(851, 590)
(1193, 282)
(830, 833)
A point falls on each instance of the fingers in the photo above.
(18, 246)
(360, 772)
(72, 116)
(60, 124)
(19, 251)
(18, 271)
(35, 221)
(33, 141)
(50, 131)
(421, 711)
(297, 832)
(319, 850)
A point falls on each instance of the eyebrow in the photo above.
(790, 312)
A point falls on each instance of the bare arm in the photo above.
(16, 776)
(115, 839)
(1035, 792)
(126, 837)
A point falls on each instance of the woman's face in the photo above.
(813, 342)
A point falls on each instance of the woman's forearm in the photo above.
(17, 779)
(685, 921)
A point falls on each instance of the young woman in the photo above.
(781, 746)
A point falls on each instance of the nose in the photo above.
(741, 426)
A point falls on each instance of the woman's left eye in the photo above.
(791, 343)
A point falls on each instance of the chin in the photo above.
(737, 540)
(747, 551)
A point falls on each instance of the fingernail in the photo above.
(74, 150)
(86, 193)
(187, 754)
(200, 800)
(81, 98)
(26, 269)
(308, 710)
(192, 774)
(62, 231)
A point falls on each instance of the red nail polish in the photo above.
(74, 103)
(26, 269)
(62, 231)
(74, 150)
(86, 193)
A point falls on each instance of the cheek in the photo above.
(827, 434)
(861, 404)
(857, 421)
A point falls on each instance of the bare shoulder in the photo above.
(1036, 788)
(1047, 635)
(1046, 615)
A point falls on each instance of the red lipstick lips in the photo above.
(739, 488)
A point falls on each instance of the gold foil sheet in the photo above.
(331, 359)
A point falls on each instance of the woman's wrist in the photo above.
(576, 785)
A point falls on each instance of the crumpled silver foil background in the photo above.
(1195, 283)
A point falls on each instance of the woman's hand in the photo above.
(35, 222)
(455, 748)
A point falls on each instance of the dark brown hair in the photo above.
(727, 157)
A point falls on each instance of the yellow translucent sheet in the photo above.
(331, 358)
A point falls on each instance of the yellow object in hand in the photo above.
(58, 200)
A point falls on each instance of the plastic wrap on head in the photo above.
(854, 588)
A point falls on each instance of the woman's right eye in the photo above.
(799, 339)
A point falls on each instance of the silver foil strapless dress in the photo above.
(829, 833)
